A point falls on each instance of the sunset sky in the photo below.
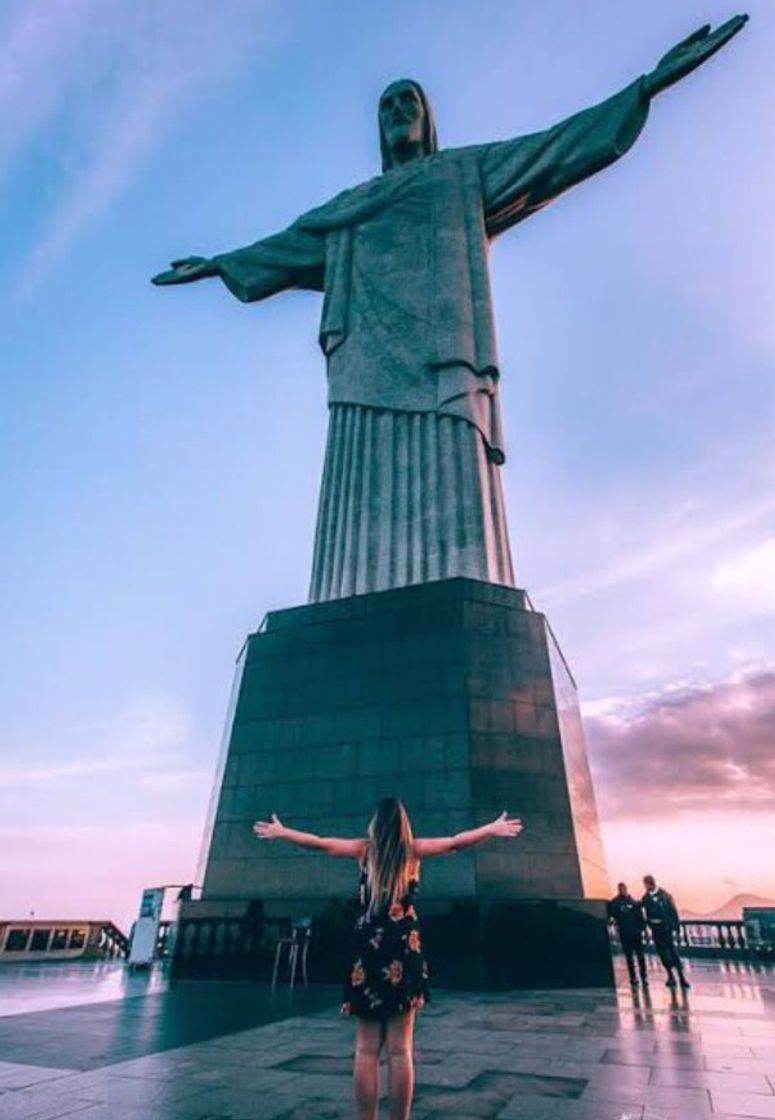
(160, 450)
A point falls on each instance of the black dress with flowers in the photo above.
(388, 973)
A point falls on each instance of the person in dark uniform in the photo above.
(627, 915)
(662, 917)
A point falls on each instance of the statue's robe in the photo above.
(411, 487)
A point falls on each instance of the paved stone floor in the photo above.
(202, 1051)
(45, 986)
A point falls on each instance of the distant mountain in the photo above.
(731, 911)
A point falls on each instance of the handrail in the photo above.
(709, 937)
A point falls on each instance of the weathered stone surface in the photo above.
(411, 487)
(199, 1051)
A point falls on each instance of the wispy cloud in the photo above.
(39, 45)
(147, 737)
(60, 853)
(112, 76)
(176, 780)
(660, 553)
(93, 870)
(12, 777)
(748, 577)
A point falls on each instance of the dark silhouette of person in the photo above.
(627, 915)
(662, 917)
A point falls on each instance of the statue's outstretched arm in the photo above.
(294, 258)
(185, 271)
(690, 53)
(521, 176)
(257, 281)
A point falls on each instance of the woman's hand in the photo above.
(504, 825)
(186, 270)
(270, 830)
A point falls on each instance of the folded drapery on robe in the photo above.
(406, 498)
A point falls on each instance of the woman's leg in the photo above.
(400, 1042)
(368, 1043)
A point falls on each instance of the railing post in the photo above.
(712, 938)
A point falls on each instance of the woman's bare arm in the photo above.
(329, 845)
(504, 825)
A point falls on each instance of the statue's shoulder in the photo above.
(345, 206)
(468, 152)
(356, 204)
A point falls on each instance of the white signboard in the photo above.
(146, 928)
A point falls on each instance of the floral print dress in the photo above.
(388, 973)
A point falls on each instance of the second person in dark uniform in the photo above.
(662, 917)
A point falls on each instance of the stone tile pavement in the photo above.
(560, 1055)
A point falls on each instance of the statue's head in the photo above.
(406, 125)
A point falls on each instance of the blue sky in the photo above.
(160, 450)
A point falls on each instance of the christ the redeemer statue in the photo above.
(411, 486)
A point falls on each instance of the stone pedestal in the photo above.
(454, 697)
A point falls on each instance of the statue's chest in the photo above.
(402, 232)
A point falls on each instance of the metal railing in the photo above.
(720, 939)
(112, 943)
(714, 938)
(220, 946)
(246, 946)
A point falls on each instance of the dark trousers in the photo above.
(633, 950)
(664, 944)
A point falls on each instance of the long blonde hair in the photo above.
(389, 859)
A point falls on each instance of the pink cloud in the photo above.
(698, 748)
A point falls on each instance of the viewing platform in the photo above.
(93, 1042)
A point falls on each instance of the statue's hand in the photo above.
(691, 53)
(186, 270)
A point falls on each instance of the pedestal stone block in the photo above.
(453, 696)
